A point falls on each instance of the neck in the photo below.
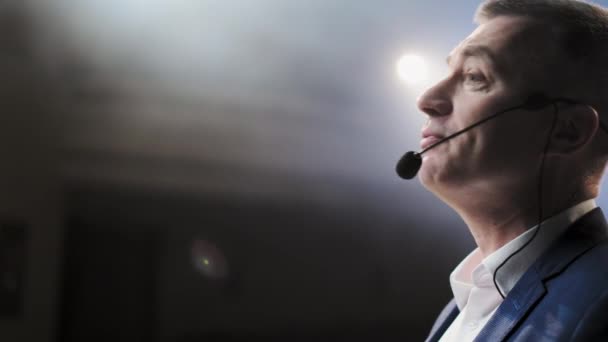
(494, 218)
(494, 227)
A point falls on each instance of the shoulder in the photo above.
(575, 300)
(586, 276)
(593, 326)
(591, 266)
(578, 296)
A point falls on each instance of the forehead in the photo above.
(499, 40)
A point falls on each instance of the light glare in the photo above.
(412, 69)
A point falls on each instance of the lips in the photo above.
(428, 141)
(429, 138)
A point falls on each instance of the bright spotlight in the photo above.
(412, 69)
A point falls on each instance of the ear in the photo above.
(576, 126)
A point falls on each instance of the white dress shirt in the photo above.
(472, 280)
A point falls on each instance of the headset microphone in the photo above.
(410, 163)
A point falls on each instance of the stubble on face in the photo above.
(489, 154)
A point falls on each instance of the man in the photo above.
(533, 164)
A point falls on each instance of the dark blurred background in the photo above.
(205, 170)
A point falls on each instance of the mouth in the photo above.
(429, 140)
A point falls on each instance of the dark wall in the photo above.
(296, 270)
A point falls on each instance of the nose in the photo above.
(436, 101)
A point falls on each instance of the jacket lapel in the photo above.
(583, 235)
(446, 317)
(524, 296)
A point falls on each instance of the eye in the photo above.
(474, 77)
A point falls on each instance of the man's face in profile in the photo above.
(488, 72)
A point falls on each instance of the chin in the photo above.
(430, 176)
(437, 178)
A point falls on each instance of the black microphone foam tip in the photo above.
(408, 165)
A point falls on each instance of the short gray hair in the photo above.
(581, 29)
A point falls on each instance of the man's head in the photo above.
(557, 47)
(576, 33)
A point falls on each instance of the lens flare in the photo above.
(208, 259)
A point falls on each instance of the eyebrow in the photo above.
(481, 51)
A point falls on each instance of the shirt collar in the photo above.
(476, 271)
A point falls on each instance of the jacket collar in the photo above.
(583, 235)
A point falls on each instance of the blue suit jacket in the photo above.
(563, 296)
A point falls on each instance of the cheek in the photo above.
(477, 151)
(493, 150)
(509, 150)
